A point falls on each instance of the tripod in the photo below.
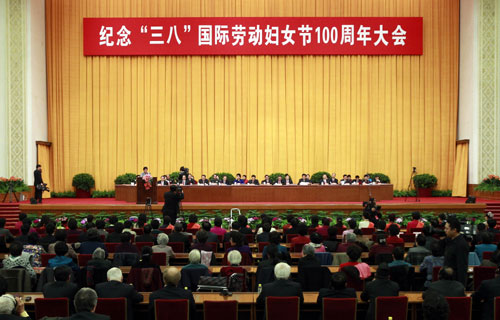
(413, 173)
(148, 209)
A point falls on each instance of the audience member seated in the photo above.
(5, 232)
(325, 224)
(415, 223)
(308, 259)
(235, 227)
(100, 225)
(171, 278)
(23, 237)
(314, 222)
(99, 260)
(62, 287)
(115, 236)
(17, 260)
(146, 259)
(49, 237)
(316, 242)
(162, 246)
(211, 237)
(85, 304)
(434, 306)
(381, 228)
(294, 223)
(264, 235)
(178, 236)
(417, 254)
(381, 247)
(265, 270)
(331, 242)
(115, 288)
(365, 222)
(350, 241)
(492, 223)
(380, 287)
(34, 249)
(354, 254)
(281, 287)
(84, 235)
(302, 237)
(486, 245)
(337, 289)
(155, 226)
(398, 254)
(244, 225)
(72, 227)
(167, 224)
(237, 243)
(193, 222)
(485, 296)
(127, 227)
(195, 261)
(60, 235)
(61, 249)
(493, 261)
(147, 236)
(361, 241)
(429, 239)
(274, 242)
(217, 229)
(436, 259)
(446, 285)
(201, 244)
(352, 225)
(126, 246)
(12, 308)
(237, 284)
(93, 242)
(394, 235)
(392, 220)
(287, 226)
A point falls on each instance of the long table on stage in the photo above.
(248, 193)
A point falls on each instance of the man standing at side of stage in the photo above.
(456, 254)
(38, 183)
(172, 200)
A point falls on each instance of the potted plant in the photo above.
(424, 184)
(83, 183)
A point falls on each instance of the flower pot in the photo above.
(82, 193)
(424, 192)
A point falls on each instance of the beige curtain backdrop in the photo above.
(252, 114)
(461, 175)
(43, 156)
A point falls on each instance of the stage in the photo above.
(402, 205)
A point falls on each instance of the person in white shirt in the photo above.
(279, 181)
(324, 180)
(288, 181)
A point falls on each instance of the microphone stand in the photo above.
(413, 173)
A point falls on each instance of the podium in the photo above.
(143, 193)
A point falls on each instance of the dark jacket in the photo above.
(378, 288)
(308, 261)
(145, 238)
(179, 237)
(88, 316)
(485, 294)
(280, 288)
(61, 289)
(88, 247)
(263, 237)
(332, 293)
(114, 237)
(448, 288)
(171, 292)
(45, 241)
(456, 256)
(171, 206)
(115, 289)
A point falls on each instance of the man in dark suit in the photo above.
(337, 290)
(485, 295)
(178, 236)
(281, 287)
(172, 200)
(171, 278)
(456, 253)
(62, 287)
(85, 303)
(244, 225)
(146, 237)
(114, 288)
(49, 236)
(212, 237)
(38, 181)
(446, 286)
(203, 181)
(308, 259)
(380, 287)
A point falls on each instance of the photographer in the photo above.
(172, 200)
(183, 172)
(12, 307)
(39, 185)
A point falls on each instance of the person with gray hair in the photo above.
(281, 287)
(309, 257)
(162, 241)
(114, 288)
(234, 258)
(99, 260)
(195, 261)
(85, 304)
(12, 308)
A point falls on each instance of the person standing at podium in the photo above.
(172, 200)
(145, 172)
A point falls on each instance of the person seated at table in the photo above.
(214, 180)
(288, 180)
(264, 235)
(365, 222)
(49, 237)
(99, 260)
(12, 308)
(171, 291)
(380, 287)
(308, 258)
(350, 241)
(304, 181)
(352, 225)
(274, 242)
(125, 245)
(381, 247)
(485, 296)
(415, 223)
(392, 220)
(344, 178)
(212, 237)
(201, 241)
(266, 180)
(245, 179)
(193, 222)
(73, 227)
(281, 287)
(337, 289)
(264, 219)
(279, 181)
(115, 236)
(331, 243)
(434, 306)
(436, 259)
(323, 229)
(418, 253)
(366, 180)
(191, 179)
(317, 242)
(394, 235)
(60, 235)
(23, 237)
(354, 254)
(146, 236)
(93, 242)
(184, 181)
(146, 259)
(203, 181)
(62, 287)
(244, 227)
(115, 288)
(333, 179)
(195, 261)
(235, 227)
(291, 225)
(162, 241)
(237, 243)
(163, 181)
(447, 285)
(18, 260)
(217, 228)
(302, 237)
(314, 223)
(361, 241)
(178, 236)
(486, 245)
(238, 179)
(324, 180)
(100, 225)
(34, 249)
(356, 181)
(253, 180)
(127, 227)
(398, 254)
(60, 259)
(225, 181)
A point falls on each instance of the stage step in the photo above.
(495, 209)
(10, 211)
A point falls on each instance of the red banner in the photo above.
(253, 36)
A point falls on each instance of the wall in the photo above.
(4, 133)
